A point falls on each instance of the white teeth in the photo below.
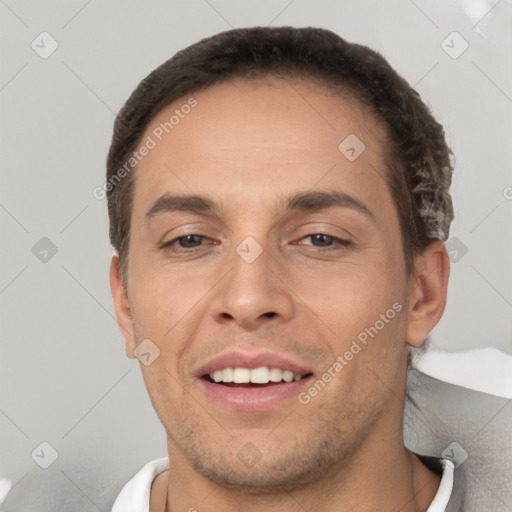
(241, 375)
(288, 376)
(261, 375)
(228, 375)
(276, 375)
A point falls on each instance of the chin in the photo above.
(268, 473)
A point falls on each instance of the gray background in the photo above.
(64, 376)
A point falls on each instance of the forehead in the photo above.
(259, 137)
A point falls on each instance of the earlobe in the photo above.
(122, 307)
(427, 292)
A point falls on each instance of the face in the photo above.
(290, 265)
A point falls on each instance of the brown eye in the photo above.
(190, 240)
(184, 242)
(321, 240)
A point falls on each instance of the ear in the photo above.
(122, 306)
(427, 292)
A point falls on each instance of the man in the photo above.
(278, 199)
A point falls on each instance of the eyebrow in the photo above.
(301, 201)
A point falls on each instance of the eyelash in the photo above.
(168, 246)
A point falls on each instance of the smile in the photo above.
(261, 375)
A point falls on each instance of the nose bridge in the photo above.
(251, 292)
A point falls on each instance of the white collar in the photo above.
(134, 496)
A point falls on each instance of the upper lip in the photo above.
(251, 360)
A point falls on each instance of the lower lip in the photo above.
(253, 399)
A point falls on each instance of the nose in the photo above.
(253, 294)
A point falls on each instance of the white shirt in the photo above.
(134, 496)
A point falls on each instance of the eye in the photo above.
(323, 240)
(191, 241)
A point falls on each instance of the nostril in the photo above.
(269, 314)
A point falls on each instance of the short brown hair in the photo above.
(418, 160)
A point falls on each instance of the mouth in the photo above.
(249, 381)
(261, 377)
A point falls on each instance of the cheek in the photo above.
(347, 296)
(360, 311)
(168, 308)
(161, 295)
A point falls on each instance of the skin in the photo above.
(246, 145)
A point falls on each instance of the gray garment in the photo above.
(438, 414)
